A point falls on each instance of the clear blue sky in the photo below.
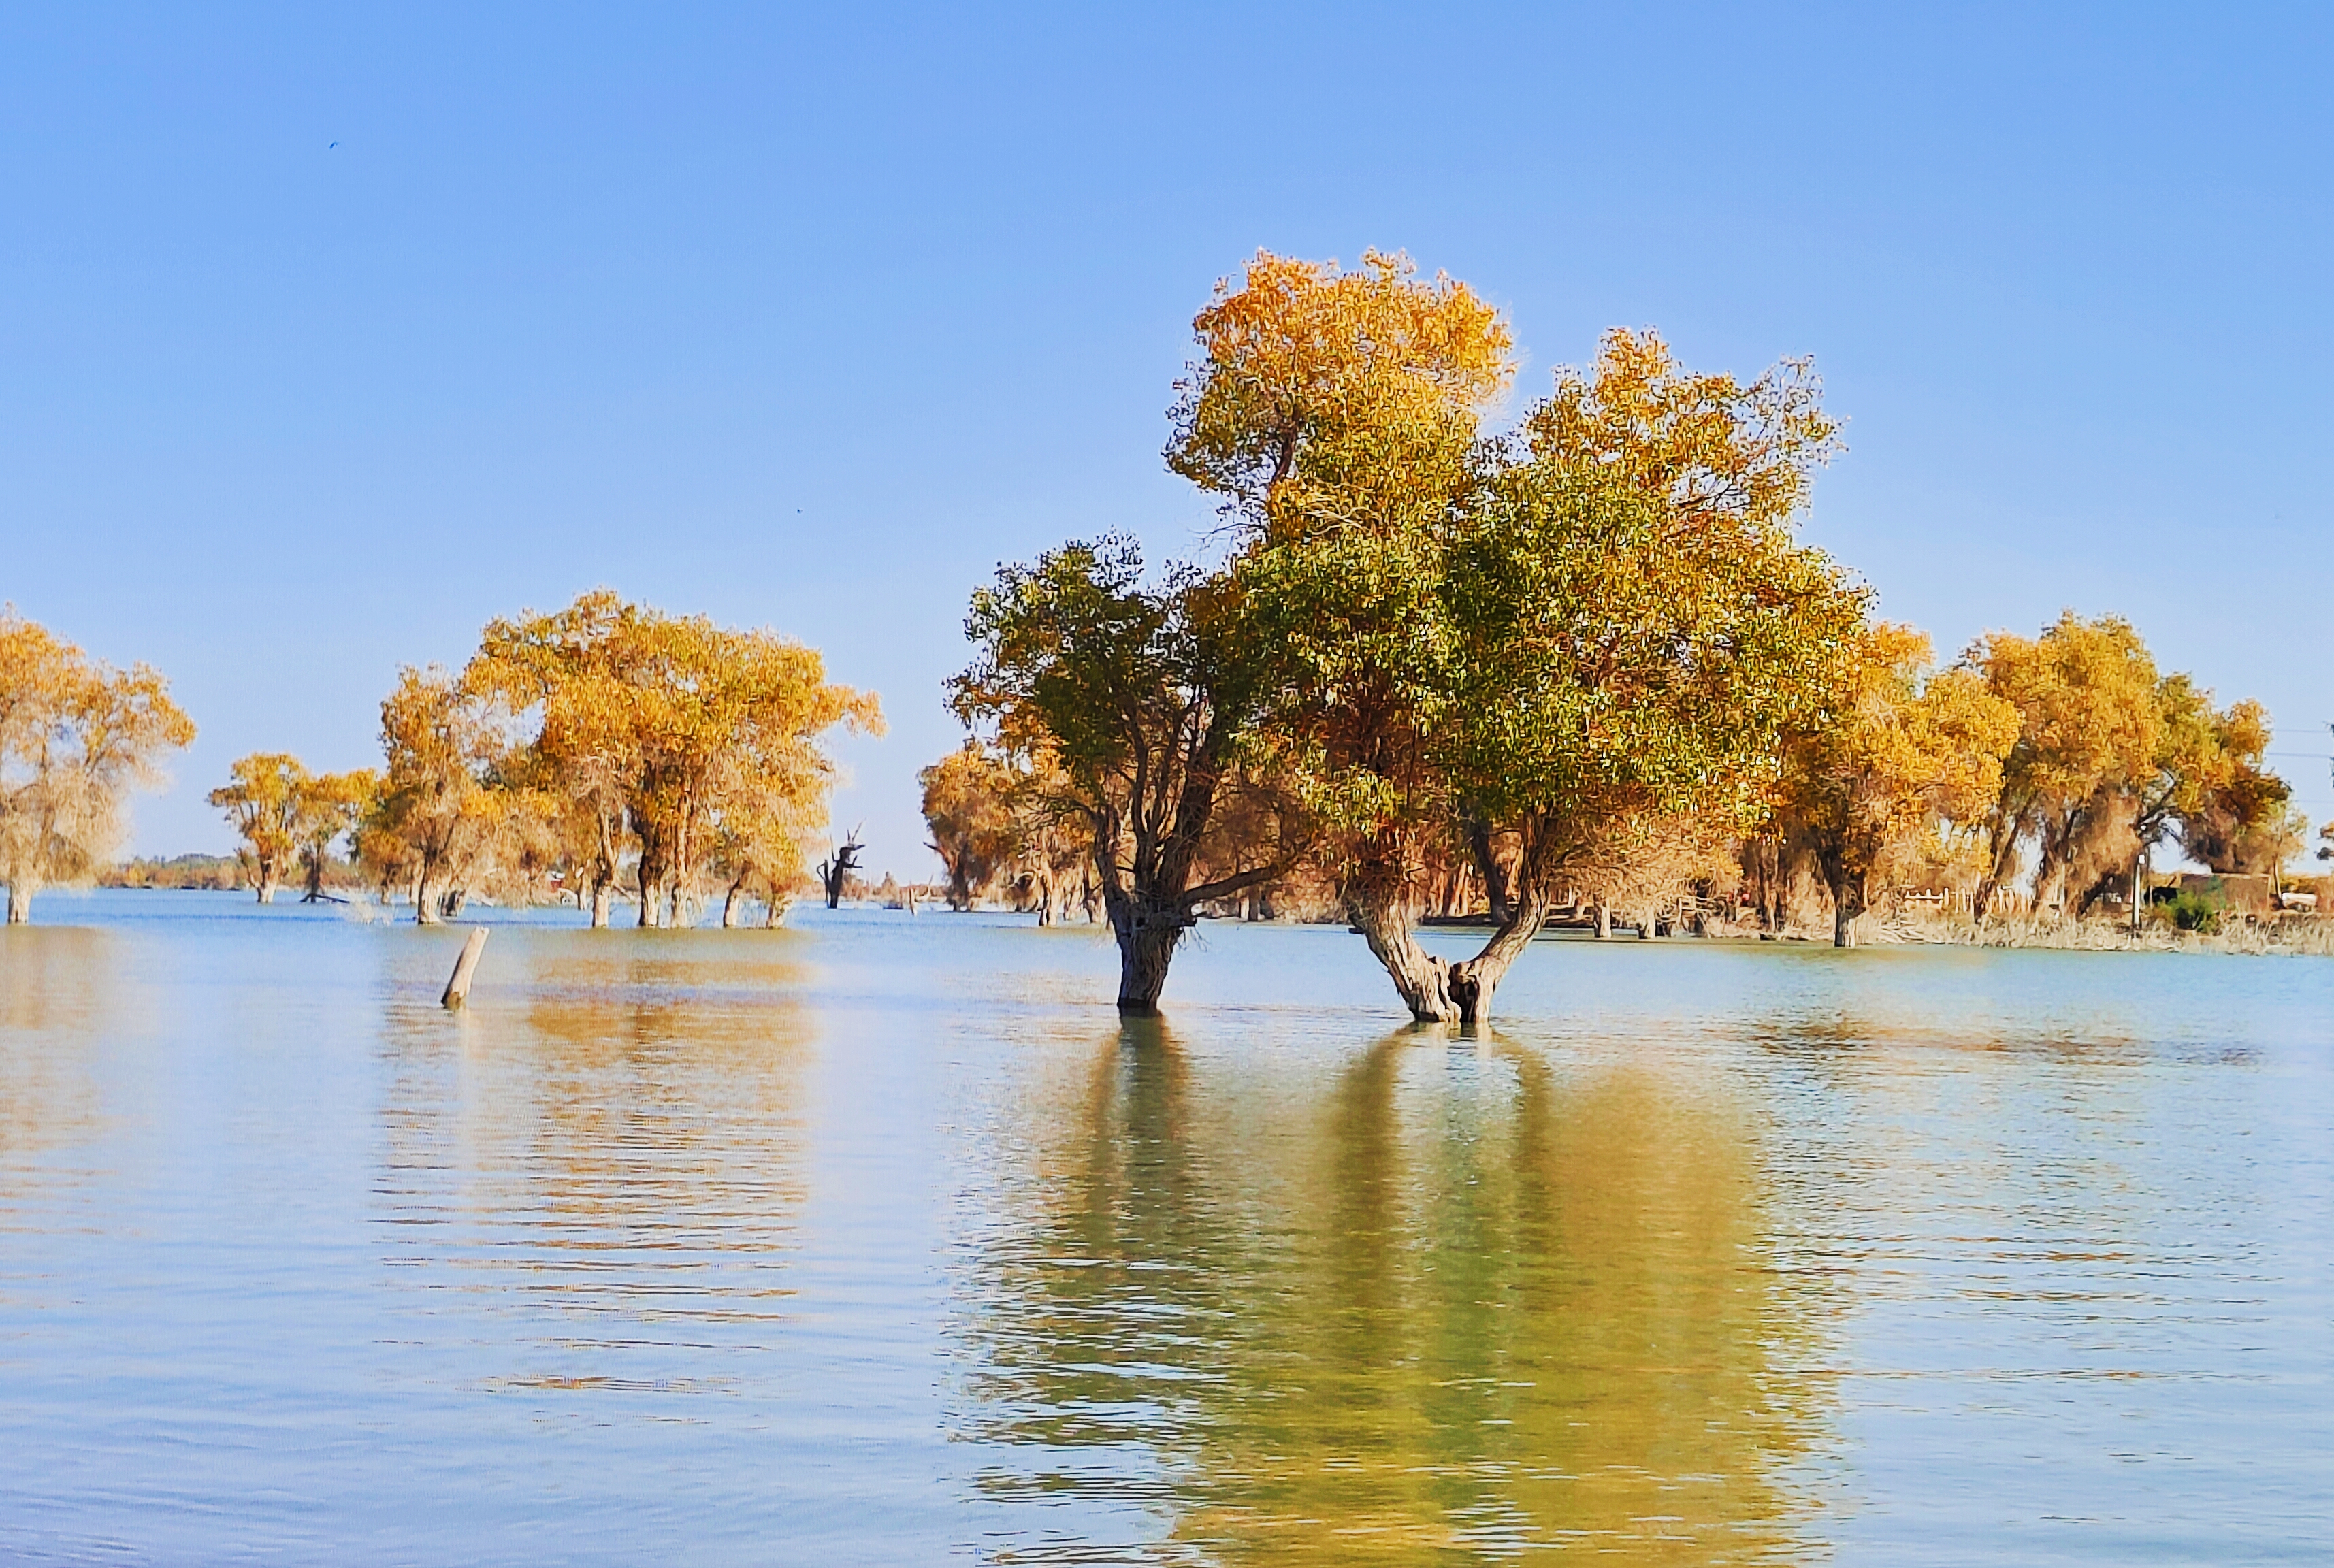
(808, 319)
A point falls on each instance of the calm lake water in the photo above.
(881, 1240)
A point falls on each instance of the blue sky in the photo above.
(809, 318)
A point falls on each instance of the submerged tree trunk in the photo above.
(269, 880)
(20, 900)
(603, 895)
(1604, 922)
(1423, 980)
(315, 893)
(1472, 980)
(730, 904)
(425, 902)
(1146, 946)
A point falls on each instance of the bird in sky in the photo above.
(330, 148)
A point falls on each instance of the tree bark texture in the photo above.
(1147, 938)
(1421, 979)
(1847, 906)
(20, 900)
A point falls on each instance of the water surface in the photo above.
(881, 1240)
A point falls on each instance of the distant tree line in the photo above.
(1586, 658)
(607, 748)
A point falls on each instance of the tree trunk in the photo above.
(425, 903)
(1146, 946)
(1423, 980)
(1847, 904)
(268, 880)
(1472, 980)
(456, 897)
(603, 894)
(1604, 922)
(20, 900)
(1487, 863)
(315, 893)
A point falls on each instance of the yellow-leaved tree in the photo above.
(685, 744)
(2086, 695)
(76, 738)
(435, 823)
(1895, 749)
(262, 798)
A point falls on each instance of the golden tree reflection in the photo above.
(60, 996)
(1452, 1301)
(620, 1152)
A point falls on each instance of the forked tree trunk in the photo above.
(1421, 979)
(20, 900)
(1146, 946)
(1472, 980)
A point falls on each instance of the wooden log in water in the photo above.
(458, 989)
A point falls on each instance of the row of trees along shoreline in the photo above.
(1438, 671)
(604, 747)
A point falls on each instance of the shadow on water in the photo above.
(1458, 1303)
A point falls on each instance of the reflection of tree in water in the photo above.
(60, 998)
(623, 1151)
(1463, 1307)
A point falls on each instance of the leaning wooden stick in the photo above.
(458, 989)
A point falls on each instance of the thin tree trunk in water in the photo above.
(1472, 980)
(425, 903)
(602, 895)
(20, 901)
(1146, 946)
(1604, 922)
(729, 905)
(315, 893)
(1422, 979)
(455, 898)
(267, 882)
(2139, 886)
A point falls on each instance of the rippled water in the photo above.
(881, 1240)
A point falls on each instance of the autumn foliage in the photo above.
(1580, 661)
